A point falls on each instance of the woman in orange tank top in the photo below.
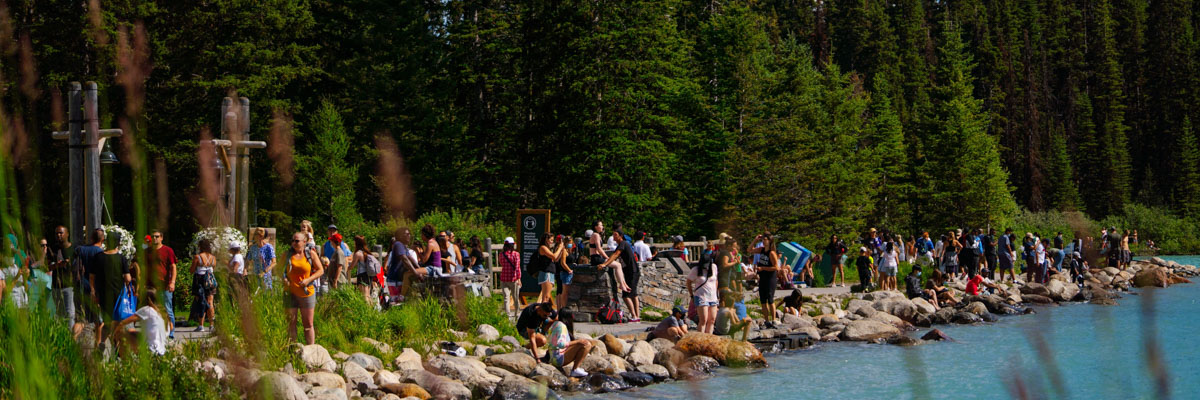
(304, 267)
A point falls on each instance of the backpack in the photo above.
(610, 313)
(372, 264)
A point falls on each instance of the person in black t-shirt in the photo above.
(836, 251)
(530, 323)
(865, 267)
(629, 267)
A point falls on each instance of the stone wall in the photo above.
(660, 286)
(450, 287)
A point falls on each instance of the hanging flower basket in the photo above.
(221, 238)
(126, 247)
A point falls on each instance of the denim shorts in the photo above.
(544, 277)
(566, 277)
(700, 303)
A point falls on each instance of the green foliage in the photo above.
(326, 178)
(1048, 223)
(1187, 153)
(1170, 233)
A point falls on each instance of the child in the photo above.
(154, 327)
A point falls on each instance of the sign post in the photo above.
(531, 224)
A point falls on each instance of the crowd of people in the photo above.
(85, 282)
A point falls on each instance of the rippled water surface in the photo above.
(1090, 352)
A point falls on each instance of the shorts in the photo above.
(595, 259)
(632, 276)
(364, 278)
(1126, 256)
(1006, 264)
(701, 303)
(292, 301)
(545, 277)
(566, 277)
(767, 281)
(889, 270)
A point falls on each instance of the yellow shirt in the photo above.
(300, 271)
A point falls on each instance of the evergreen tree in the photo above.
(1187, 168)
(1109, 189)
(1065, 189)
(886, 138)
(1171, 86)
(970, 187)
(326, 178)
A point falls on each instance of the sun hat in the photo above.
(509, 240)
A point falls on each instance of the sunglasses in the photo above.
(296, 240)
(156, 236)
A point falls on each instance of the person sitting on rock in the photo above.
(671, 328)
(937, 283)
(912, 288)
(728, 322)
(562, 349)
(976, 281)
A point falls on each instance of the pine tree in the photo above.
(327, 178)
(970, 188)
(1110, 190)
(886, 139)
(1065, 193)
(1171, 86)
(1187, 169)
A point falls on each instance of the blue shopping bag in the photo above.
(126, 304)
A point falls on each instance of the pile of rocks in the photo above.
(498, 371)
(502, 369)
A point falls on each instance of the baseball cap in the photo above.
(678, 310)
(332, 226)
(863, 248)
(509, 240)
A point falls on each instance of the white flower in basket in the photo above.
(126, 247)
(221, 238)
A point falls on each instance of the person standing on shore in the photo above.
(204, 283)
(1041, 262)
(767, 268)
(543, 264)
(510, 276)
(303, 268)
(163, 270)
(1126, 255)
(402, 267)
(924, 249)
(1004, 249)
(990, 254)
(836, 249)
(108, 275)
(262, 257)
(865, 267)
(338, 253)
(702, 286)
(566, 274)
(63, 276)
(949, 255)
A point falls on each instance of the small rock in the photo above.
(618, 364)
(550, 376)
(324, 379)
(936, 335)
(355, 373)
(483, 351)
(638, 379)
(279, 386)
(613, 345)
(340, 356)
(976, 308)
(315, 357)
(368, 362)
(596, 364)
(584, 336)
(517, 363)
(599, 349)
(1037, 298)
(487, 333)
(516, 344)
(903, 340)
(384, 376)
(658, 372)
(470, 371)
(963, 317)
(382, 347)
(406, 390)
(439, 386)
(408, 360)
(326, 393)
(865, 330)
(641, 353)
(456, 334)
(698, 365)
(660, 344)
(604, 383)
(514, 387)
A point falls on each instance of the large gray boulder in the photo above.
(315, 357)
(977, 308)
(408, 360)
(469, 371)
(368, 362)
(856, 304)
(517, 363)
(899, 306)
(641, 353)
(867, 329)
(487, 333)
(324, 379)
(440, 387)
(277, 386)
(924, 307)
(326, 393)
(548, 375)
(355, 373)
(659, 372)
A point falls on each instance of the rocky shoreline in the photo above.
(498, 368)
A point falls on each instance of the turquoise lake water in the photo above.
(1094, 352)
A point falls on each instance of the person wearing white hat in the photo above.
(510, 276)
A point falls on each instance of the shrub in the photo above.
(1171, 234)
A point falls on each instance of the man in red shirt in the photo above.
(977, 280)
(162, 273)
